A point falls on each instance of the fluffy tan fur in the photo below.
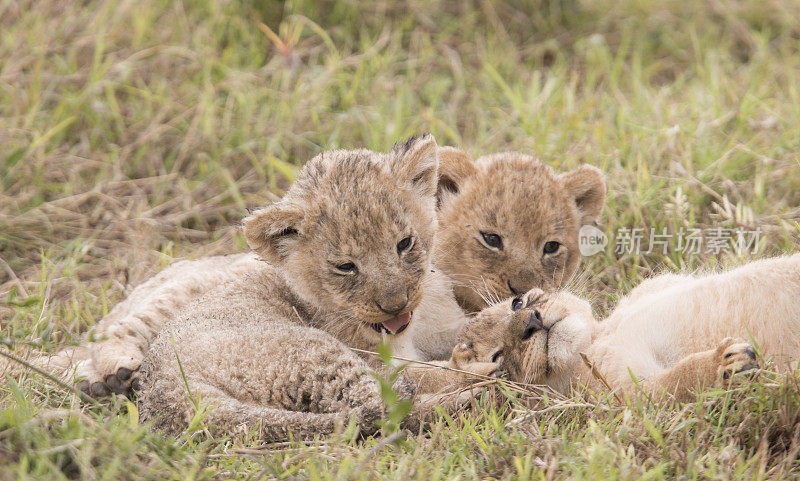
(526, 205)
(674, 333)
(125, 333)
(513, 195)
(256, 364)
(272, 348)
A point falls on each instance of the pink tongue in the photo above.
(394, 324)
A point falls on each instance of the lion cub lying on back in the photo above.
(673, 333)
(349, 260)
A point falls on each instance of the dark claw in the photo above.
(124, 373)
(136, 385)
(84, 387)
(115, 384)
(98, 389)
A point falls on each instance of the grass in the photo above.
(133, 133)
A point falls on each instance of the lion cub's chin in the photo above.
(567, 339)
(539, 336)
(571, 331)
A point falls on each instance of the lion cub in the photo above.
(673, 333)
(348, 253)
(507, 223)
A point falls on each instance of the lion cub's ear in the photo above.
(272, 231)
(587, 186)
(416, 163)
(455, 167)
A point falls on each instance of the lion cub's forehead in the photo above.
(494, 315)
(489, 324)
(519, 191)
(354, 196)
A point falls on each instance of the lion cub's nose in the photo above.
(394, 304)
(534, 324)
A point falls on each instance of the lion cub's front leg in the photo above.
(111, 362)
(445, 384)
(703, 369)
(439, 375)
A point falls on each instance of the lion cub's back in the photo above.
(163, 295)
(265, 364)
(243, 339)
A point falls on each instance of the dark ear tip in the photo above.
(406, 145)
(421, 140)
(423, 137)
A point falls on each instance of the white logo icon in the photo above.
(591, 240)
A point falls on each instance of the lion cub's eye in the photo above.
(404, 245)
(347, 268)
(492, 240)
(516, 304)
(497, 355)
(551, 247)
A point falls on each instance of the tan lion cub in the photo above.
(349, 258)
(507, 223)
(673, 333)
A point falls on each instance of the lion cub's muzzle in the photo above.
(533, 325)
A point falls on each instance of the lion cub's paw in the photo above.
(123, 381)
(482, 369)
(734, 356)
(89, 380)
(464, 359)
(116, 369)
(478, 372)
